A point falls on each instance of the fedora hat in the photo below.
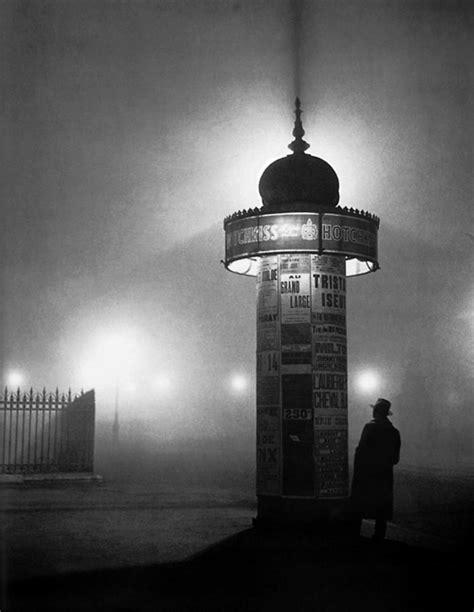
(382, 405)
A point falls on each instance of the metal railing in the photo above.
(46, 432)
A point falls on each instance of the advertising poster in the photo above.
(295, 297)
(268, 379)
(329, 374)
(268, 323)
(295, 293)
(268, 391)
(268, 450)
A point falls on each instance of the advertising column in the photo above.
(329, 376)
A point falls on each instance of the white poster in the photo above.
(295, 293)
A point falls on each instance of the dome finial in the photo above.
(298, 145)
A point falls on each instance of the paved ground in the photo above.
(55, 529)
(253, 571)
(122, 546)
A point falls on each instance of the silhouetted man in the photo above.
(372, 484)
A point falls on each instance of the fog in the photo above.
(132, 129)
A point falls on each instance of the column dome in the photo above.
(302, 180)
(298, 181)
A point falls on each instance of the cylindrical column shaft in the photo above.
(301, 385)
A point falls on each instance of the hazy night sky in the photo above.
(131, 129)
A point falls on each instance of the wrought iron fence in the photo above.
(46, 432)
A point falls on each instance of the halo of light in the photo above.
(114, 356)
(238, 383)
(368, 381)
(15, 378)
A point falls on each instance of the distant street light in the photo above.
(238, 383)
(114, 360)
(368, 381)
(15, 378)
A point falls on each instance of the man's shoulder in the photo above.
(382, 424)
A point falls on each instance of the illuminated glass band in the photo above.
(352, 235)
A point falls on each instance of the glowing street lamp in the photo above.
(238, 383)
(15, 378)
(368, 382)
(114, 356)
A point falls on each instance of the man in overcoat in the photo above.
(372, 484)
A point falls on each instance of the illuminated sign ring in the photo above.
(337, 231)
